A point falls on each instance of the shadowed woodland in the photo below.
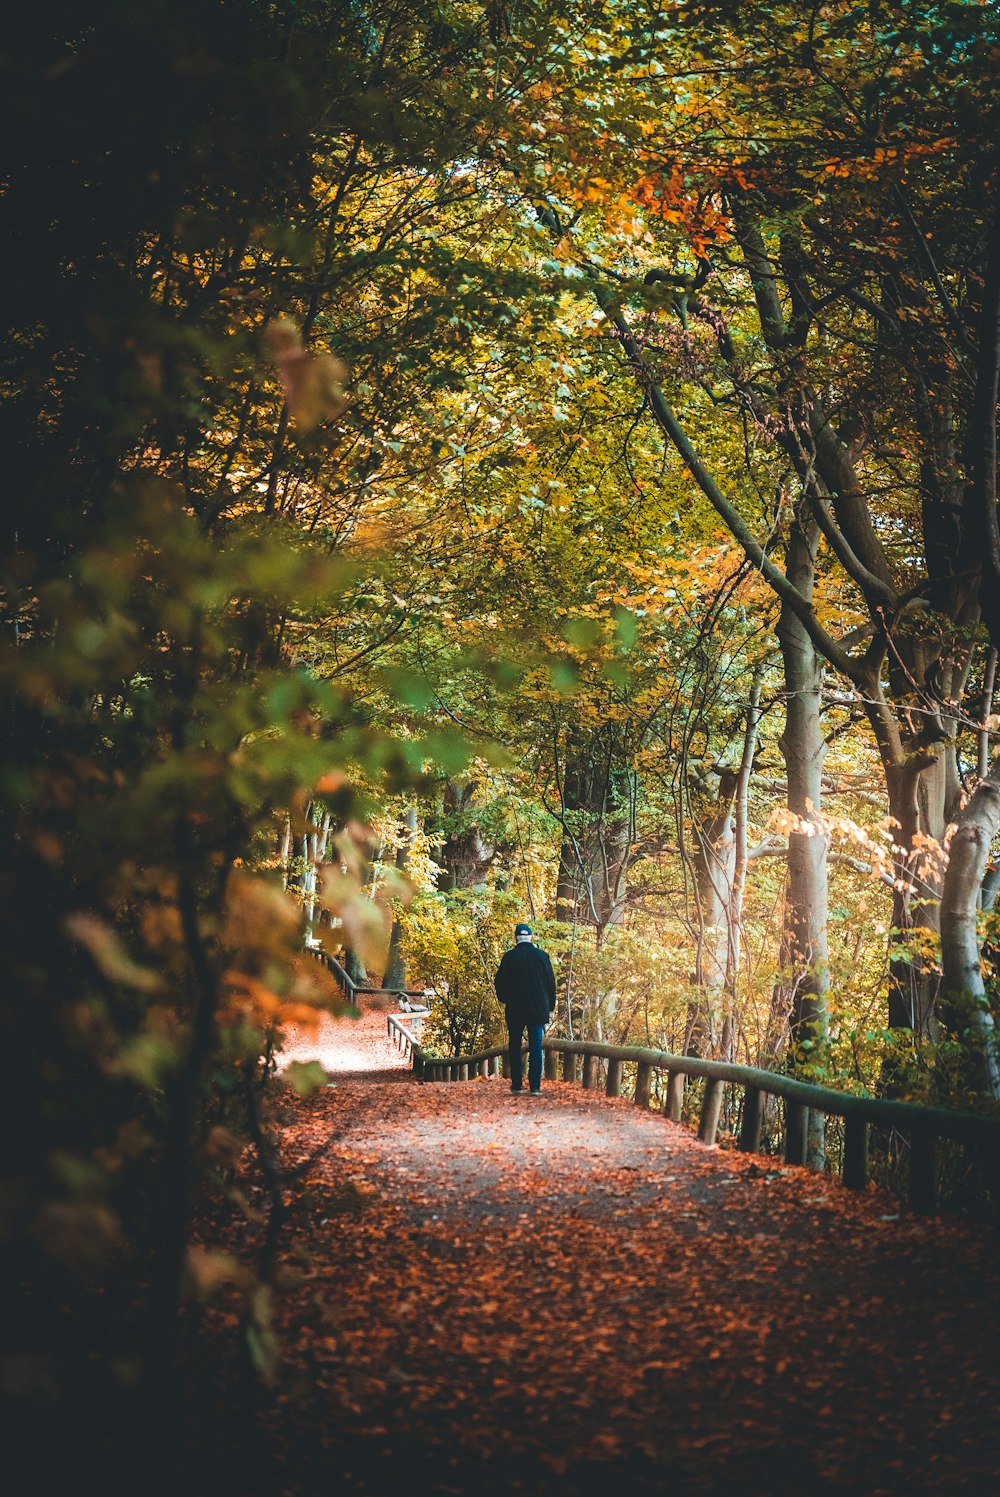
(471, 463)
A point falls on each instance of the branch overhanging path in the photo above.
(496, 1293)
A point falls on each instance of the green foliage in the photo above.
(158, 724)
(305, 1076)
(332, 495)
(455, 942)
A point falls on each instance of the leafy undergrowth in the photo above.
(483, 1293)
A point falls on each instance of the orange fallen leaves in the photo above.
(585, 1283)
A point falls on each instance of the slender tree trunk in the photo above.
(805, 952)
(962, 982)
(314, 851)
(567, 880)
(918, 800)
(285, 851)
(613, 864)
(598, 822)
(967, 884)
(734, 914)
(983, 736)
(715, 864)
(395, 967)
(925, 796)
(984, 437)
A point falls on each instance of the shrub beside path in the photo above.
(565, 1294)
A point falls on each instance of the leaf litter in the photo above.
(483, 1293)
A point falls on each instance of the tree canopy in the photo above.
(470, 462)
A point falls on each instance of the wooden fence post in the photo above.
(923, 1169)
(796, 1131)
(674, 1106)
(643, 1083)
(613, 1087)
(855, 1153)
(590, 1064)
(569, 1066)
(552, 1065)
(715, 1090)
(985, 1161)
(753, 1118)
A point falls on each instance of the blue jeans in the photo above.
(515, 1029)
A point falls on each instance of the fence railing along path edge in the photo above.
(924, 1125)
(414, 999)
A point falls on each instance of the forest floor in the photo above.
(485, 1293)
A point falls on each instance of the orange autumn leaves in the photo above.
(581, 1283)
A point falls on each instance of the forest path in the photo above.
(567, 1293)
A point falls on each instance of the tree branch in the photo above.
(665, 418)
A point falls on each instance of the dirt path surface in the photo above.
(350, 1048)
(566, 1294)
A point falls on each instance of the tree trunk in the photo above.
(355, 967)
(395, 966)
(285, 851)
(466, 857)
(314, 846)
(917, 800)
(734, 914)
(715, 866)
(597, 813)
(984, 437)
(962, 982)
(983, 736)
(567, 880)
(805, 955)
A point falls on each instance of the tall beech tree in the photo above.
(859, 334)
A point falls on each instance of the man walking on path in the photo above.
(526, 986)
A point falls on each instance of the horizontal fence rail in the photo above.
(413, 998)
(923, 1125)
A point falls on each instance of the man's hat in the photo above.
(522, 930)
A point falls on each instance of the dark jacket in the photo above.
(526, 984)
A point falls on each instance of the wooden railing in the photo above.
(351, 989)
(581, 1060)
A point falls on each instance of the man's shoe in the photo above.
(536, 1091)
(517, 1091)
